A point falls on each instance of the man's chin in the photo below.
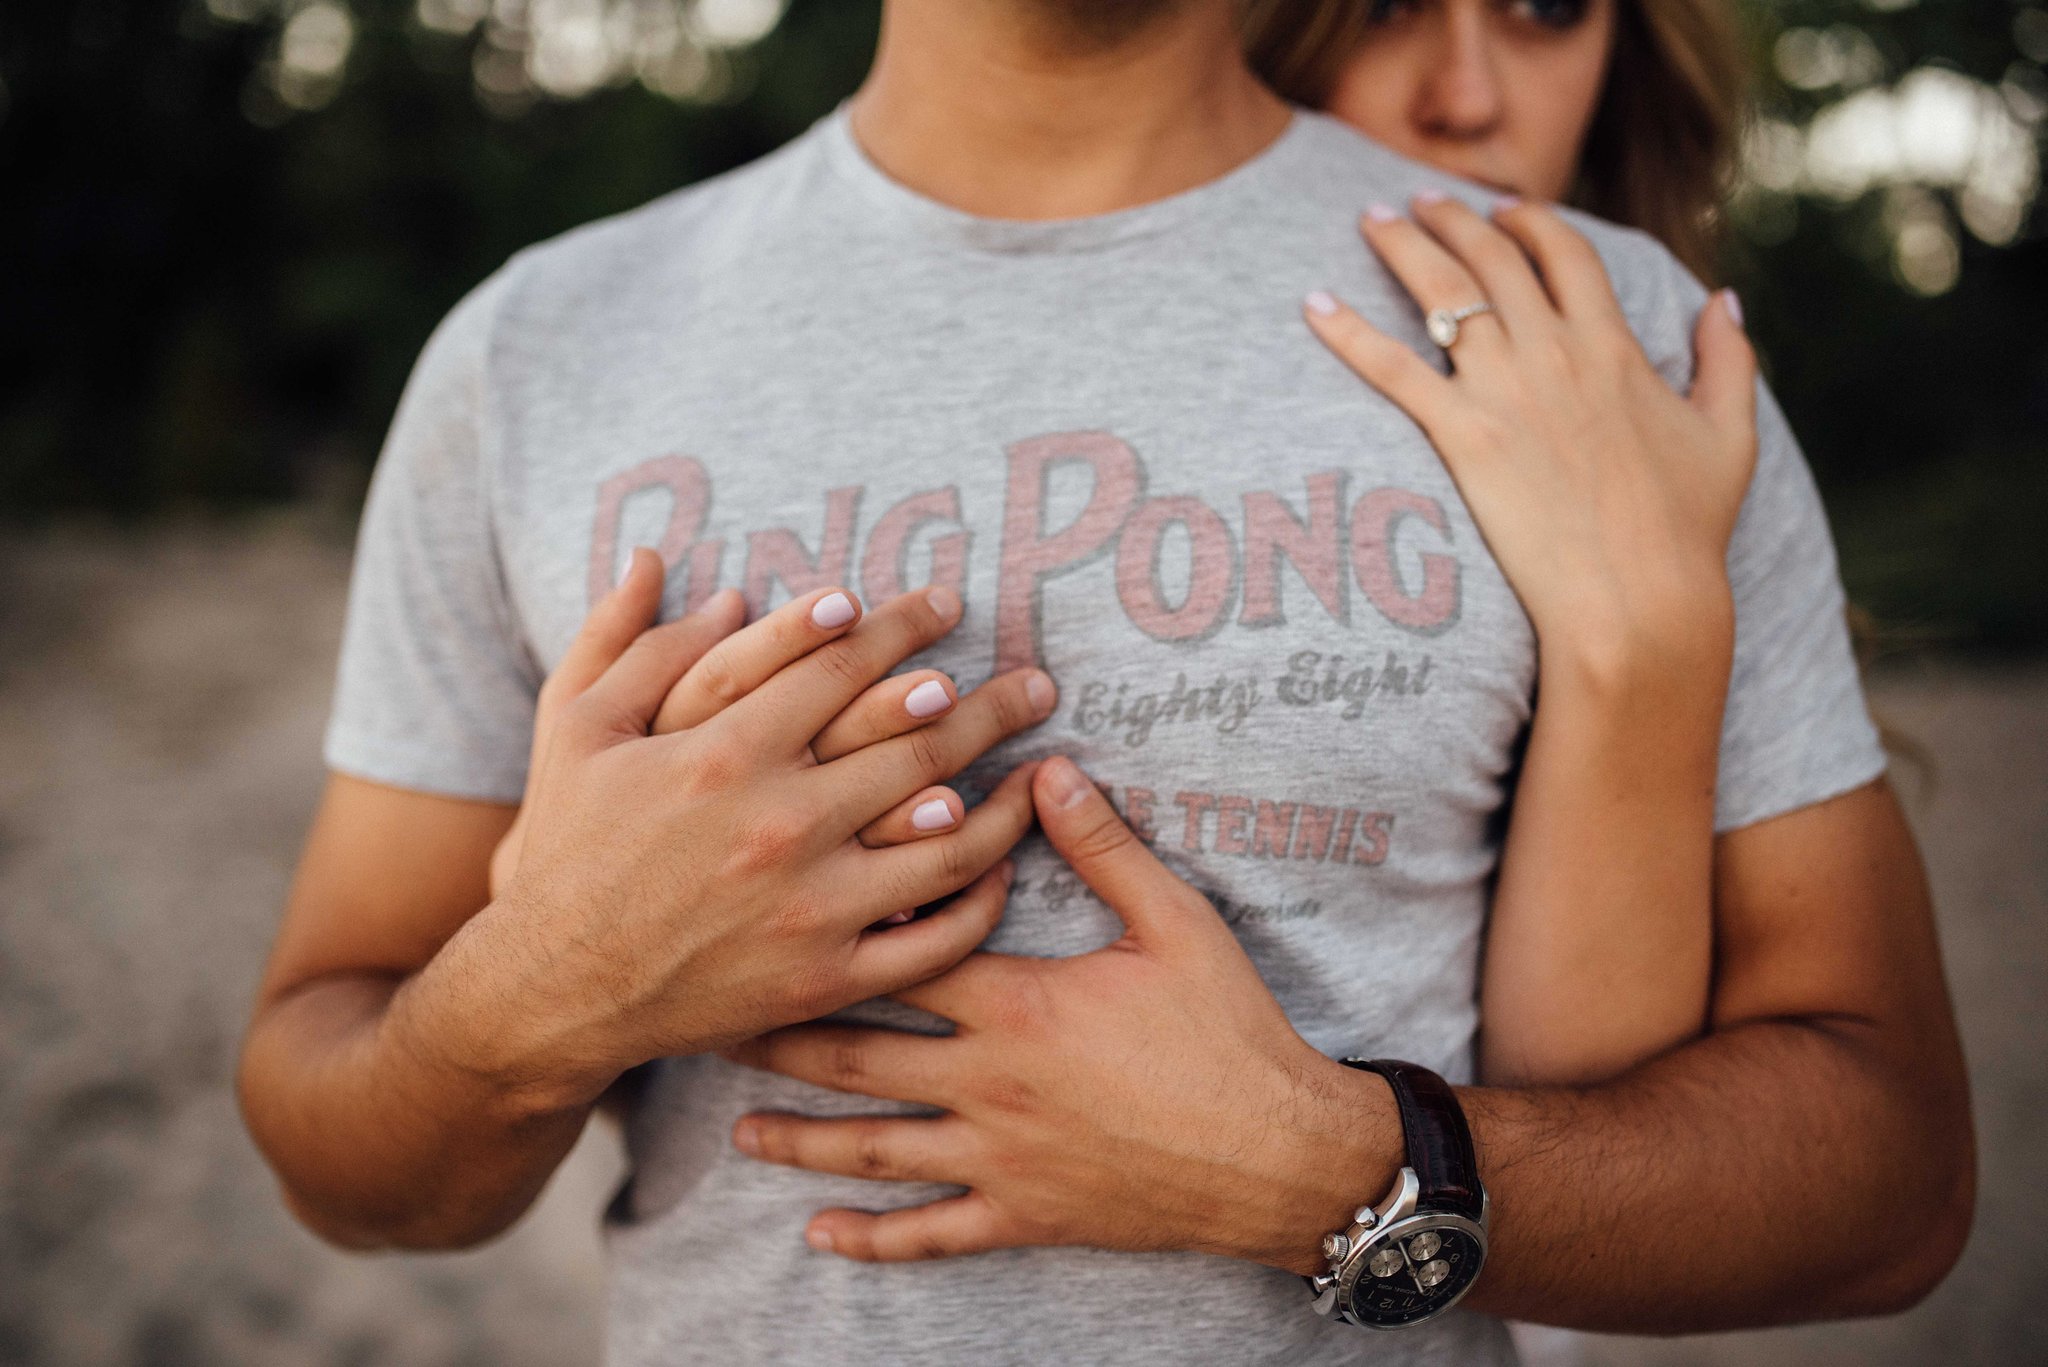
(1096, 23)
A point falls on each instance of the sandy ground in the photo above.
(161, 697)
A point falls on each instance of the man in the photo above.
(1022, 325)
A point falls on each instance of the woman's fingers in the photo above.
(1435, 278)
(863, 785)
(1724, 377)
(745, 660)
(1390, 366)
(895, 957)
(881, 883)
(802, 697)
(627, 695)
(1572, 270)
(1497, 262)
(927, 812)
(887, 709)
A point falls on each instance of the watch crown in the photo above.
(1365, 1216)
(1335, 1247)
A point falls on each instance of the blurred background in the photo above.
(227, 226)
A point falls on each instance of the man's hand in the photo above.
(677, 892)
(1148, 1096)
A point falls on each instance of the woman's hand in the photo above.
(726, 662)
(1607, 499)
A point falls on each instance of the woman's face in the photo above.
(1497, 91)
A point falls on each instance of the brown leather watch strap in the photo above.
(1439, 1141)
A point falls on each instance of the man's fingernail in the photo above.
(833, 610)
(944, 602)
(1380, 213)
(820, 1239)
(934, 815)
(1322, 303)
(746, 1137)
(1041, 693)
(928, 699)
(1070, 787)
(1733, 304)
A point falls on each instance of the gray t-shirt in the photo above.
(1278, 634)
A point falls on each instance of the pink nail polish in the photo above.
(934, 815)
(1734, 304)
(1321, 303)
(1505, 203)
(1039, 689)
(833, 610)
(928, 699)
(626, 570)
(820, 1239)
(1380, 213)
(1430, 196)
(896, 918)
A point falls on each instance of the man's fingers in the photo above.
(1572, 270)
(1390, 366)
(1155, 904)
(886, 710)
(627, 695)
(745, 660)
(950, 1228)
(1724, 380)
(878, 1148)
(894, 1065)
(863, 785)
(807, 693)
(892, 958)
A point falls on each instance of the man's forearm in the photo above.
(378, 1138)
(1771, 1172)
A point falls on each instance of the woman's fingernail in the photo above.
(1321, 303)
(1070, 787)
(928, 699)
(1380, 213)
(746, 1137)
(944, 602)
(1041, 693)
(820, 1239)
(1430, 196)
(626, 570)
(896, 918)
(1007, 871)
(1733, 304)
(1505, 203)
(934, 815)
(833, 610)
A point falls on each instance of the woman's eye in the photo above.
(1385, 11)
(1550, 13)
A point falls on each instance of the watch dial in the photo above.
(1412, 1273)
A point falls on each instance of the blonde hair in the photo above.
(1661, 145)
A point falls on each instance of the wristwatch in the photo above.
(1412, 1256)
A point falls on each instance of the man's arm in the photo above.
(422, 1055)
(1810, 1158)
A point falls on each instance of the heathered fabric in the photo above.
(1279, 636)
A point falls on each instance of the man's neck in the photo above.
(1006, 109)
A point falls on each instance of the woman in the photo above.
(1562, 439)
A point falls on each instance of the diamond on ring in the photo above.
(1442, 324)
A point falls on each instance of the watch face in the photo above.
(1413, 1269)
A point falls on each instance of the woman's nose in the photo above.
(1461, 98)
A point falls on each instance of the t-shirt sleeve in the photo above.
(435, 688)
(1796, 730)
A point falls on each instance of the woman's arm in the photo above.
(1608, 501)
